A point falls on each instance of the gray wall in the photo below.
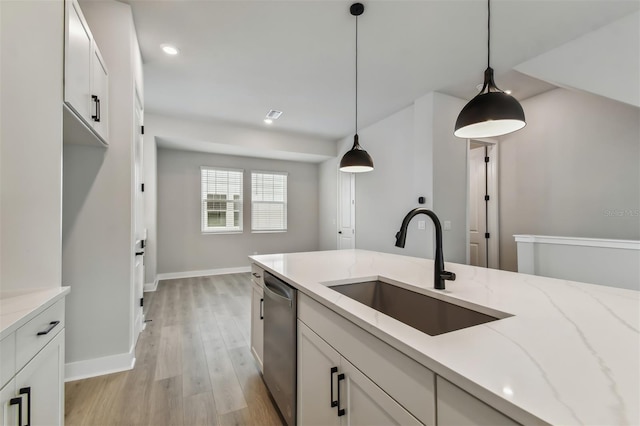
(97, 231)
(32, 42)
(574, 165)
(181, 245)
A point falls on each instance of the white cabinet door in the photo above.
(99, 94)
(77, 61)
(8, 408)
(318, 365)
(367, 404)
(41, 382)
(257, 324)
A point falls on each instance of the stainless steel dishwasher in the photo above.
(280, 344)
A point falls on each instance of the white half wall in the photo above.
(615, 263)
(182, 247)
(604, 62)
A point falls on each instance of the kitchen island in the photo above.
(561, 353)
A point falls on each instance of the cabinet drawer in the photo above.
(8, 357)
(257, 275)
(29, 342)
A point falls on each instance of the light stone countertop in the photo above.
(570, 354)
(17, 309)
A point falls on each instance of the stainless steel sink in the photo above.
(427, 314)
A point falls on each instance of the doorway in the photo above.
(482, 204)
(346, 210)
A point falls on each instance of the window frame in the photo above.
(230, 202)
(285, 203)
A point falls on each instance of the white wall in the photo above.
(97, 220)
(328, 204)
(570, 171)
(31, 45)
(450, 176)
(415, 154)
(181, 245)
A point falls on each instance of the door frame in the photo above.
(493, 207)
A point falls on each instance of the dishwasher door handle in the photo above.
(274, 295)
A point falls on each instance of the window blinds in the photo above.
(221, 199)
(268, 201)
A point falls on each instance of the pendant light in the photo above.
(356, 160)
(490, 113)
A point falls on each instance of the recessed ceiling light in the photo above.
(268, 120)
(169, 49)
(274, 114)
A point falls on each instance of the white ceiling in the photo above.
(238, 59)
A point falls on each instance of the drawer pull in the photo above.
(255, 275)
(18, 401)
(334, 402)
(27, 391)
(52, 325)
(341, 411)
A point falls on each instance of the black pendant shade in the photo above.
(356, 160)
(492, 112)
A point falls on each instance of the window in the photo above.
(221, 199)
(268, 201)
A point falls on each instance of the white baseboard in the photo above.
(204, 273)
(99, 366)
(151, 286)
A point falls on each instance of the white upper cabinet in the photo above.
(86, 82)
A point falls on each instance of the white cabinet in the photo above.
(40, 384)
(456, 407)
(9, 404)
(332, 391)
(34, 392)
(257, 311)
(86, 82)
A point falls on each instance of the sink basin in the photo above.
(427, 314)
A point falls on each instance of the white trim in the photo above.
(100, 366)
(151, 286)
(579, 241)
(203, 273)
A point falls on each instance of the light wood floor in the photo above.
(193, 363)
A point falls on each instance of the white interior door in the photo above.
(139, 228)
(477, 206)
(346, 211)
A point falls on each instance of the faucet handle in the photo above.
(449, 276)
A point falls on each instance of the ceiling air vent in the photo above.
(273, 114)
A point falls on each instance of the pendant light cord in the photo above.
(488, 33)
(356, 74)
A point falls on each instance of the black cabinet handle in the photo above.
(341, 411)
(52, 325)
(262, 308)
(334, 402)
(96, 100)
(18, 401)
(99, 110)
(139, 253)
(27, 391)
(255, 275)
